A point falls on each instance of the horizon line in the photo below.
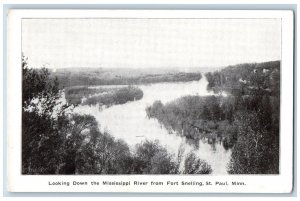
(161, 67)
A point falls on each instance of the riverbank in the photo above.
(103, 96)
(129, 122)
(70, 77)
(247, 120)
(197, 117)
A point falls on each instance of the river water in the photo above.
(130, 123)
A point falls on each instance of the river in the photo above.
(130, 123)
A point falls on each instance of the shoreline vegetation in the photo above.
(103, 96)
(78, 90)
(99, 76)
(69, 143)
(246, 120)
(57, 141)
(196, 117)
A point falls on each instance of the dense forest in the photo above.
(98, 76)
(57, 141)
(196, 117)
(246, 79)
(246, 119)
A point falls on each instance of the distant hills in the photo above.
(87, 76)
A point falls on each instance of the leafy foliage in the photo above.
(256, 150)
(194, 165)
(256, 89)
(41, 121)
(115, 97)
(196, 117)
(102, 96)
(151, 158)
(246, 79)
(247, 119)
(56, 141)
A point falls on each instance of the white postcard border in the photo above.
(281, 183)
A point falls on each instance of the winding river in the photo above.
(130, 123)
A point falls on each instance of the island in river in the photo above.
(167, 123)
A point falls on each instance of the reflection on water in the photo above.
(130, 123)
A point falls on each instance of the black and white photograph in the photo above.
(151, 96)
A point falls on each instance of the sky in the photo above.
(149, 43)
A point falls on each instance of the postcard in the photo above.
(180, 101)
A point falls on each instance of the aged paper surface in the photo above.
(150, 101)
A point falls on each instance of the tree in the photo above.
(103, 155)
(254, 150)
(152, 158)
(42, 117)
(78, 131)
(55, 141)
(194, 165)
